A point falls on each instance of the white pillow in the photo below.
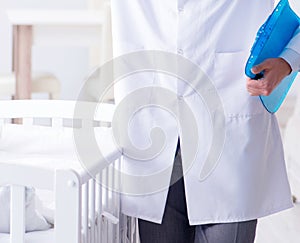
(45, 204)
(33, 219)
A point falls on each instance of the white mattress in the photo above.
(47, 147)
(33, 237)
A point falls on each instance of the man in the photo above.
(249, 180)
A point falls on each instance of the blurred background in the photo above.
(68, 39)
(69, 63)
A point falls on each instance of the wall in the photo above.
(70, 65)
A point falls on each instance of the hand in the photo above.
(275, 69)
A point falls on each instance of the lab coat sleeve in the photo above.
(292, 52)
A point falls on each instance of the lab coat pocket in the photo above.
(230, 81)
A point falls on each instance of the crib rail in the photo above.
(86, 211)
(56, 109)
(26, 175)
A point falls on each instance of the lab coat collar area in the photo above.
(250, 178)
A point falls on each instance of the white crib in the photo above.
(85, 212)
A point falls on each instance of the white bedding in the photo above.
(47, 147)
(33, 237)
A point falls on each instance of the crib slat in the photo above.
(92, 209)
(57, 122)
(117, 167)
(105, 230)
(104, 205)
(17, 214)
(28, 121)
(87, 123)
(110, 201)
(85, 221)
(99, 206)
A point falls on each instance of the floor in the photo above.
(283, 227)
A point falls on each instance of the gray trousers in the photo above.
(175, 226)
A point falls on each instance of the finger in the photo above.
(265, 84)
(255, 84)
(270, 82)
(253, 92)
(256, 87)
(256, 91)
(261, 67)
(259, 91)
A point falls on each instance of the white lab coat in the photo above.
(250, 180)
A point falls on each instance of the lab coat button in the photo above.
(180, 51)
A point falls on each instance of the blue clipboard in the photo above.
(271, 39)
